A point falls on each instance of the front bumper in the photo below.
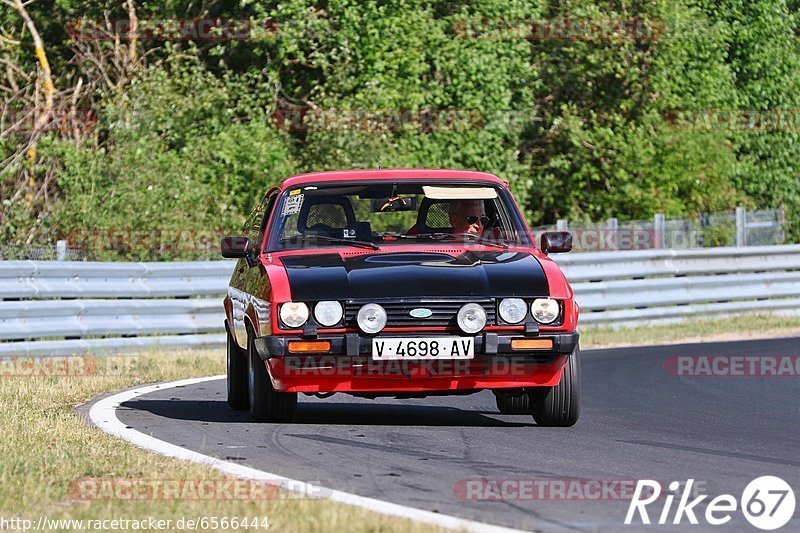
(348, 366)
(353, 344)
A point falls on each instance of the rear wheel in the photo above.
(266, 404)
(514, 402)
(560, 405)
(237, 376)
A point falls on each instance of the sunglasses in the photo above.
(484, 220)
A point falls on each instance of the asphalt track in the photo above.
(638, 421)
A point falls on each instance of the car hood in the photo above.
(398, 275)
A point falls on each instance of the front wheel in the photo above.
(266, 404)
(560, 406)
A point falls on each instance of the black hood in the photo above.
(395, 275)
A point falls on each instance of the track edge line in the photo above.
(103, 414)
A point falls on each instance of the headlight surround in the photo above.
(513, 310)
(371, 318)
(471, 318)
(328, 313)
(294, 314)
(545, 310)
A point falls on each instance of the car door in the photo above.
(249, 283)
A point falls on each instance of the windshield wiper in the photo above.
(429, 236)
(450, 237)
(336, 240)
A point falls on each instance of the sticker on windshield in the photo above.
(293, 204)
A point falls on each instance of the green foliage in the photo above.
(183, 151)
(581, 128)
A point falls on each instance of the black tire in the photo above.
(514, 402)
(560, 406)
(237, 376)
(266, 404)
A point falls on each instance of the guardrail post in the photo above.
(741, 227)
(61, 250)
(613, 233)
(562, 224)
(659, 230)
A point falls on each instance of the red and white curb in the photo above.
(103, 414)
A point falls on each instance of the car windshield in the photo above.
(381, 214)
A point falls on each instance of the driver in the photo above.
(468, 216)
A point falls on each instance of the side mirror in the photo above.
(235, 247)
(556, 241)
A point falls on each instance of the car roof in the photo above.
(389, 174)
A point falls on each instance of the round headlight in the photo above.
(545, 310)
(294, 314)
(513, 310)
(371, 318)
(471, 318)
(328, 313)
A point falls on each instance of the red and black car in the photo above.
(402, 283)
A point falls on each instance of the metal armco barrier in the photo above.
(658, 285)
(57, 308)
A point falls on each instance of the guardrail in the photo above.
(643, 286)
(51, 308)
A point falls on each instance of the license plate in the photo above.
(423, 348)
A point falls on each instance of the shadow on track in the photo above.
(331, 413)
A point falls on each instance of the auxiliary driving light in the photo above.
(371, 318)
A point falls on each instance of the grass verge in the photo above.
(711, 330)
(46, 448)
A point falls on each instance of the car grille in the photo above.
(397, 311)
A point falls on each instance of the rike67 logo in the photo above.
(767, 503)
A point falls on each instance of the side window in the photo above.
(265, 219)
(256, 223)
